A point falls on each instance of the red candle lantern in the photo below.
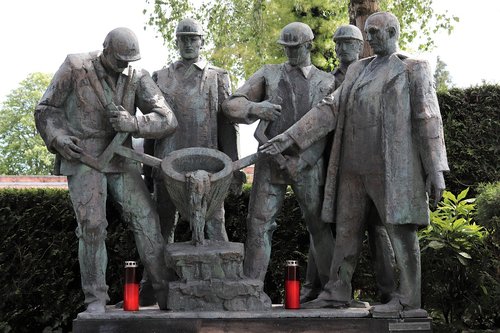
(292, 285)
(131, 288)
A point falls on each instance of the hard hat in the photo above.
(347, 32)
(295, 33)
(124, 44)
(188, 26)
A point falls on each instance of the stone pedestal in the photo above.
(211, 279)
(278, 320)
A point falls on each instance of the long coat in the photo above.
(412, 136)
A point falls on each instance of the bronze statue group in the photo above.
(361, 147)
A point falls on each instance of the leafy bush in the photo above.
(488, 216)
(488, 210)
(455, 265)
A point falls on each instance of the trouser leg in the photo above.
(88, 193)
(352, 210)
(309, 194)
(265, 201)
(312, 285)
(407, 251)
(383, 257)
(404, 242)
(215, 228)
(138, 210)
(166, 211)
(168, 222)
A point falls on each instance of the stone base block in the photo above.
(213, 260)
(218, 295)
(152, 320)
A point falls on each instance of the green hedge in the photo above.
(40, 279)
(471, 119)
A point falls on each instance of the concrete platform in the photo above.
(152, 320)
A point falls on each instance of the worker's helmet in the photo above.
(347, 31)
(123, 43)
(189, 27)
(295, 33)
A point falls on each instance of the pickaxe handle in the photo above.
(116, 147)
(260, 135)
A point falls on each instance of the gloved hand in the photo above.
(266, 110)
(122, 120)
(68, 147)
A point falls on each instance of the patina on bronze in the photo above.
(87, 103)
(348, 46)
(278, 96)
(392, 155)
(195, 90)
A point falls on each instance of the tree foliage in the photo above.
(22, 150)
(442, 77)
(241, 34)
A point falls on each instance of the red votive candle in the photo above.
(292, 285)
(131, 288)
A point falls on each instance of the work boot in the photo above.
(146, 294)
(391, 309)
(308, 294)
(96, 307)
(162, 298)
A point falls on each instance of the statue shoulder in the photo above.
(218, 70)
(356, 67)
(416, 64)
(417, 68)
(322, 74)
(139, 72)
(266, 73)
(163, 73)
(324, 80)
(271, 68)
(79, 60)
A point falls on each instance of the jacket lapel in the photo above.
(396, 67)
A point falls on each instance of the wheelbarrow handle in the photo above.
(246, 161)
(136, 156)
(115, 147)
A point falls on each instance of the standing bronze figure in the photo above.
(348, 46)
(392, 155)
(87, 103)
(195, 90)
(280, 95)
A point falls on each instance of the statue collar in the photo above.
(200, 64)
(304, 70)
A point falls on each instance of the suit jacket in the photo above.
(75, 104)
(412, 136)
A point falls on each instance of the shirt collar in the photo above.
(200, 64)
(304, 70)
